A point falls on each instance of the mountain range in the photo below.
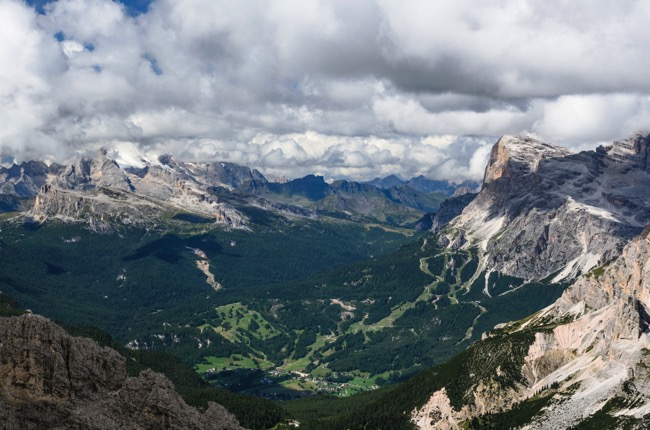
(93, 189)
(530, 297)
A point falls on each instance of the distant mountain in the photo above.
(426, 185)
(387, 182)
(22, 181)
(397, 205)
(98, 191)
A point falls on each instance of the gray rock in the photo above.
(543, 209)
(24, 180)
(51, 380)
(450, 209)
(86, 173)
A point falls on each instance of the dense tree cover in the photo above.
(8, 307)
(296, 293)
(136, 282)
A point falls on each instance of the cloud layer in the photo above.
(357, 89)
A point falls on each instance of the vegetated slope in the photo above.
(343, 330)
(374, 321)
(132, 282)
(581, 363)
(52, 380)
(544, 210)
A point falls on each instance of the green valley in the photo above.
(303, 306)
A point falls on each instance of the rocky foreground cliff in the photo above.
(50, 380)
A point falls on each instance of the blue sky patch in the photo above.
(133, 7)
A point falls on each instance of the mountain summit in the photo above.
(545, 211)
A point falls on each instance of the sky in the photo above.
(353, 89)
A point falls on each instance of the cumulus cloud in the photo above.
(359, 89)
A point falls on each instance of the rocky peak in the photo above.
(545, 210)
(49, 379)
(88, 173)
(634, 151)
(514, 156)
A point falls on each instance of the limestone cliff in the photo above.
(50, 380)
(543, 210)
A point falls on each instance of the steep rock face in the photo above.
(25, 179)
(87, 173)
(100, 208)
(450, 209)
(49, 379)
(602, 355)
(99, 192)
(228, 175)
(544, 210)
(592, 347)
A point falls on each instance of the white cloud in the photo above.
(361, 88)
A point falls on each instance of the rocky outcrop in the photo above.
(101, 208)
(590, 352)
(51, 380)
(228, 175)
(97, 191)
(23, 181)
(450, 209)
(86, 173)
(543, 210)
(601, 354)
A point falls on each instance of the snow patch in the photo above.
(580, 264)
(574, 206)
(126, 154)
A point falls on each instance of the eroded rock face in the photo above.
(100, 208)
(24, 180)
(450, 209)
(544, 210)
(592, 346)
(51, 380)
(88, 173)
(97, 191)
